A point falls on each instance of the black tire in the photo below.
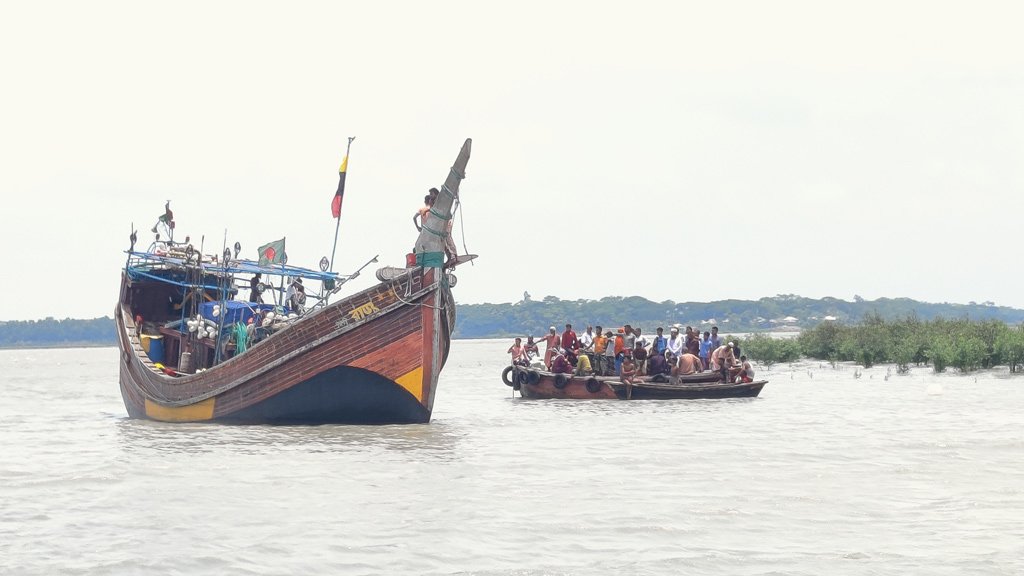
(534, 377)
(505, 375)
(560, 381)
(593, 385)
(523, 377)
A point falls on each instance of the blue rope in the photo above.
(457, 175)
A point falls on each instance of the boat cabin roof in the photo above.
(140, 262)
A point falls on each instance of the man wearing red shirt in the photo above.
(569, 341)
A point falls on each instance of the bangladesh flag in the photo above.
(272, 253)
(336, 203)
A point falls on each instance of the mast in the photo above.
(432, 237)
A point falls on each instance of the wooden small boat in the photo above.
(373, 357)
(533, 383)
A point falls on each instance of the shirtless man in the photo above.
(687, 364)
(423, 213)
(627, 374)
(722, 360)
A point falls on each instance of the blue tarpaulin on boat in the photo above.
(235, 311)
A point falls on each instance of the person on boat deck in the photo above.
(641, 340)
(675, 343)
(518, 352)
(569, 340)
(627, 371)
(600, 345)
(531, 348)
(587, 339)
(254, 289)
(628, 337)
(559, 363)
(692, 341)
(658, 365)
(746, 373)
(620, 345)
(250, 332)
(551, 339)
(423, 213)
(609, 355)
(296, 296)
(716, 340)
(687, 364)
(583, 367)
(640, 359)
(722, 360)
(705, 350)
(640, 352)
(660, 343)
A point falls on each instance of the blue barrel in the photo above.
(156, 349)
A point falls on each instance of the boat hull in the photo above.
(539, 384)
(373, 358)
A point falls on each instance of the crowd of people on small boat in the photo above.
(629, 354)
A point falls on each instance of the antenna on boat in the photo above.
(336, 204)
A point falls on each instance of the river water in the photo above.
(825, 473)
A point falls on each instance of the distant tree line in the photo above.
(784, 311)
(56, 333)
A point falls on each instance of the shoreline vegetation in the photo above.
(964, 344)
(898, 331)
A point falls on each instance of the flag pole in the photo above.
(337, 226)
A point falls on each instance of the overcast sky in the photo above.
(669, 150)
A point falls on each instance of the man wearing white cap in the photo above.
(675, 343)
(551, 339)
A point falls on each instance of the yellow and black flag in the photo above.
(336, 203)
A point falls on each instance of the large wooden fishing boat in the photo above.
(191, 350)
(534, 383)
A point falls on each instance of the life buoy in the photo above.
(523, 377)
(506, 376)
(534, 377)
(560, 381)
(593, 385)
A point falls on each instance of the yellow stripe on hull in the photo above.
(413, 382)
(198, 411)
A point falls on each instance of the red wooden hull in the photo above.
(374, 357)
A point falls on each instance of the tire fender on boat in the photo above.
(506, 376)
(560, 381)
(523, 377)
(534, 377)
(593, 385)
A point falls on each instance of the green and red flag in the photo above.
(272, 253)
(336, 203)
